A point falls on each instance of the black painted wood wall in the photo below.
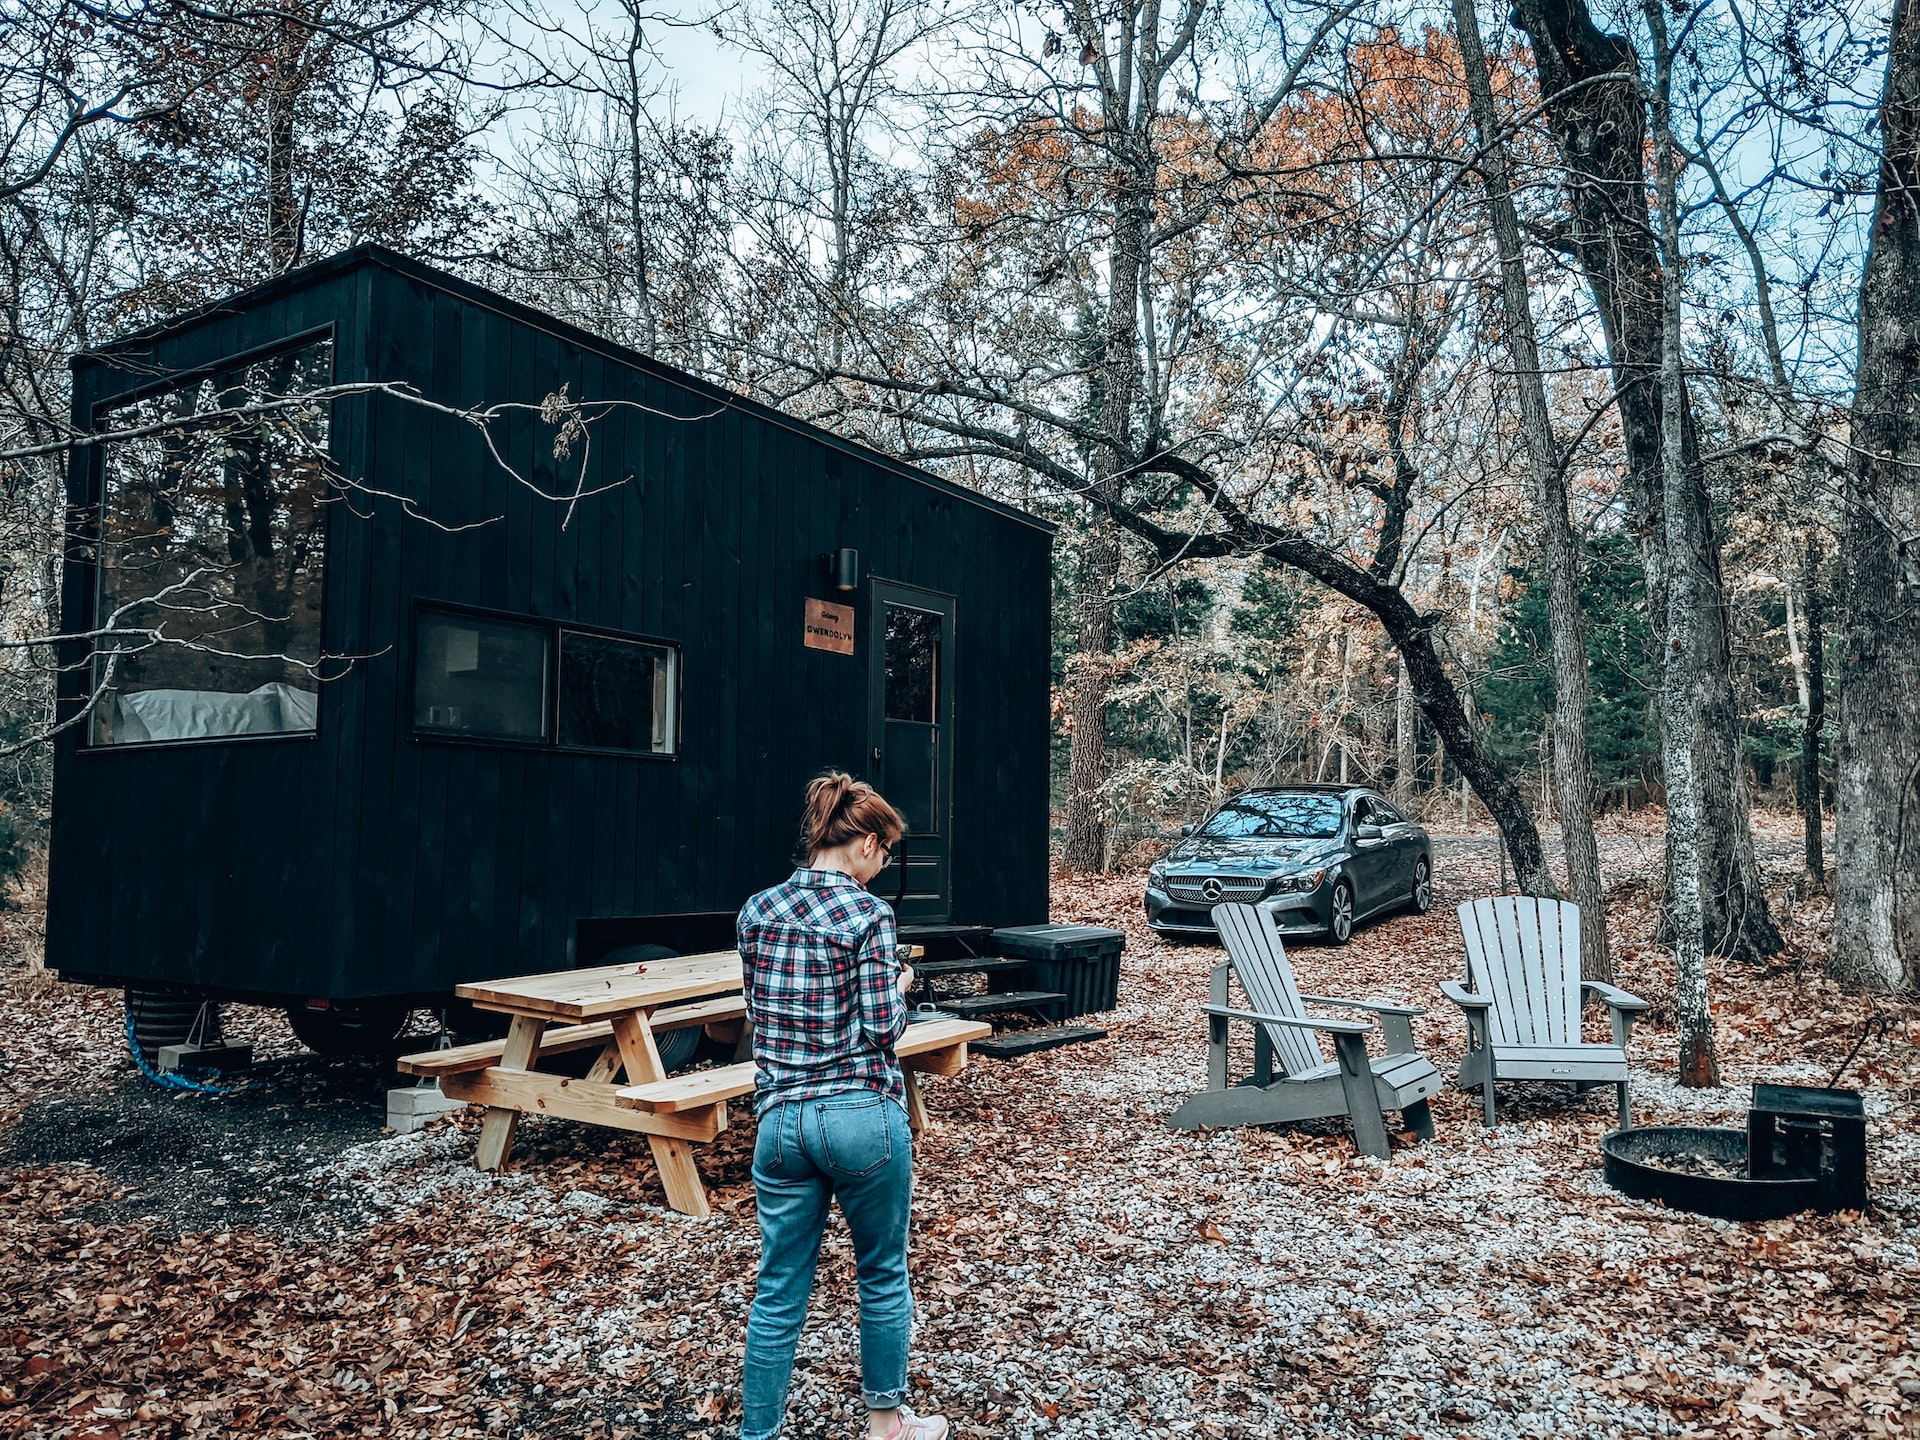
(363, 861)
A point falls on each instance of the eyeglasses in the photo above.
(885, 848)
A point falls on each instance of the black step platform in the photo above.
(978, 938)
(991, 964)
(1026, 1042)
(970, 1005)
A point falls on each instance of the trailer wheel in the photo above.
(678, 1048)
(350, 1027)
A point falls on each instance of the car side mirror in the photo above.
(1366, 832)
(1185, 831)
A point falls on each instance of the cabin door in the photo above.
(910, 685)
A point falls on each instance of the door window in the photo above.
(910, 756)
(913, 664)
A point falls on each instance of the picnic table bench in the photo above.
(619, 1009)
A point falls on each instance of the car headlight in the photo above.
(1299, 882)
(1157, 874)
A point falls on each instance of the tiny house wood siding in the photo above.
(366, 861)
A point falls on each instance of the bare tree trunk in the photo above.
(1100, 569)
(282, 92)
(1088, 681)
(1876, 939)
(1689, 572)
(632, 102)
(1406, 751)
(1795, 652)
(1816, 670)
(1559, 548)
(1600, 131)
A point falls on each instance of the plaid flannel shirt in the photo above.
(822, 967)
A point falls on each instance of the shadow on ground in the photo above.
(194, 1162)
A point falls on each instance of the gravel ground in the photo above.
(1081, 1270)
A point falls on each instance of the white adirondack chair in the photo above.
(1309, 1085)
(1522, 1000)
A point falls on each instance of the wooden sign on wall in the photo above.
(829, 627)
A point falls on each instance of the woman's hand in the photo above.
(906, 979)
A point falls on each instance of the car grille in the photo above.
(1199, 889)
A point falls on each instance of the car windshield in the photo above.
(1276, 817)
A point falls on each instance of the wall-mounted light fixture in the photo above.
(843, 569)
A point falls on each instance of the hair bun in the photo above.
(840, 808)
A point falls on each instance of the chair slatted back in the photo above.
(1260, 960)
(1523, 954)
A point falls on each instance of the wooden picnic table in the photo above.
(619, 1009)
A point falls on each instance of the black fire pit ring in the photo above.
(1629, 1157)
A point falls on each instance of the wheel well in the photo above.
(690, 934)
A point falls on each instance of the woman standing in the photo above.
(825, 991)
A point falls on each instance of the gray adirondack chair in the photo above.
(1522, 1000)
(1308, 1086)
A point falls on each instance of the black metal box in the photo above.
(1081, 962)
(1799, 1131)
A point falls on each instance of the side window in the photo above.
(534, 682)
(1385, 814)
(482, 678)
(1363, 812)
(618, 694)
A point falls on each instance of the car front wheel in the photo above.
(1422, 886)
(1340, 913)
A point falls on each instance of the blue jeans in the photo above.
(855, 1147)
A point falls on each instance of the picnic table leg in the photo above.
(607, 1065)
(678, 1174)
(917, 1120)
(496, 1131)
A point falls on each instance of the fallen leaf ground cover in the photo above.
(267, 1263)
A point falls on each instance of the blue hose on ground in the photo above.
(168, 1079)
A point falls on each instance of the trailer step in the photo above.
(987, 965)
(970, 1005)
(1026, 1042)
(981, 935)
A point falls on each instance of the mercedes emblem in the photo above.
(1211, 889)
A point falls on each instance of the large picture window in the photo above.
(212, 555)
(489, 677)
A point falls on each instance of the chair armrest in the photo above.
(1464, 998)
(1615, 997)
(1331, 1027)
(1378, 1007)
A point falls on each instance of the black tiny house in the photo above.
(417, 724)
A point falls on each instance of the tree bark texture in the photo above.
(1688, 574)
(1406, 751)
(284, 82)
(1816, 670)
(1559, 549)
(1600, 130)
(1086, 841)
(1088, 680)
(1876, 940)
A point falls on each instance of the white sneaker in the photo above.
(910, 1426)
